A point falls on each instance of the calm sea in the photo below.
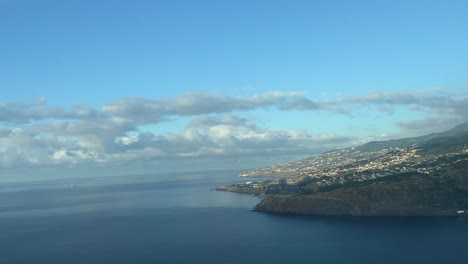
(176, 218)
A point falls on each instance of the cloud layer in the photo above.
(34, 133)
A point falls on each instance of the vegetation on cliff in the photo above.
(443, 193)
(418, 176)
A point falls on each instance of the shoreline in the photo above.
(349, 203)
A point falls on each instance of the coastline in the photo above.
(380, 199)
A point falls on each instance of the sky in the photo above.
(115, 87)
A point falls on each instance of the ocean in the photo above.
(177, 218)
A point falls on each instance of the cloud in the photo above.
(141, 111)
(153, 110)
(385, 102)
(34, 133)
(226, 120)
(36, 110)
(4, 132)
(25, 112)
(19, 148)
(301, 103)
(426, 125)
(230, 136)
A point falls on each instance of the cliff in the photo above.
(426, 175)
(409, 195)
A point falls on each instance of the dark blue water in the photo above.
(175, 218)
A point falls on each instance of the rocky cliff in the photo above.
(410, 195)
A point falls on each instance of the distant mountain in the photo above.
(425, 175)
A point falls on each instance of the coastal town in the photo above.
(340, 168)
(357, 165)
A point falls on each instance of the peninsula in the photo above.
(425, 175)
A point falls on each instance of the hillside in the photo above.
(408, 194)
(380, 157)
(427, 175)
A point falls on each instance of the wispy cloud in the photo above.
(428, 125)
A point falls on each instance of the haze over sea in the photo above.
(176, 218)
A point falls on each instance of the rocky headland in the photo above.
(424, 176)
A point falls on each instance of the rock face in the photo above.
(349, 202)
(413, 196)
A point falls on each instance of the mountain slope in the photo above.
(388, 153)
(427, 177)
(410, 195)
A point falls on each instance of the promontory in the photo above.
(421, 176)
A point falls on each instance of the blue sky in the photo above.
(354, 71)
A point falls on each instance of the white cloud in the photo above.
(34, 133)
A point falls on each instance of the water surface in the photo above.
(176, 218)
